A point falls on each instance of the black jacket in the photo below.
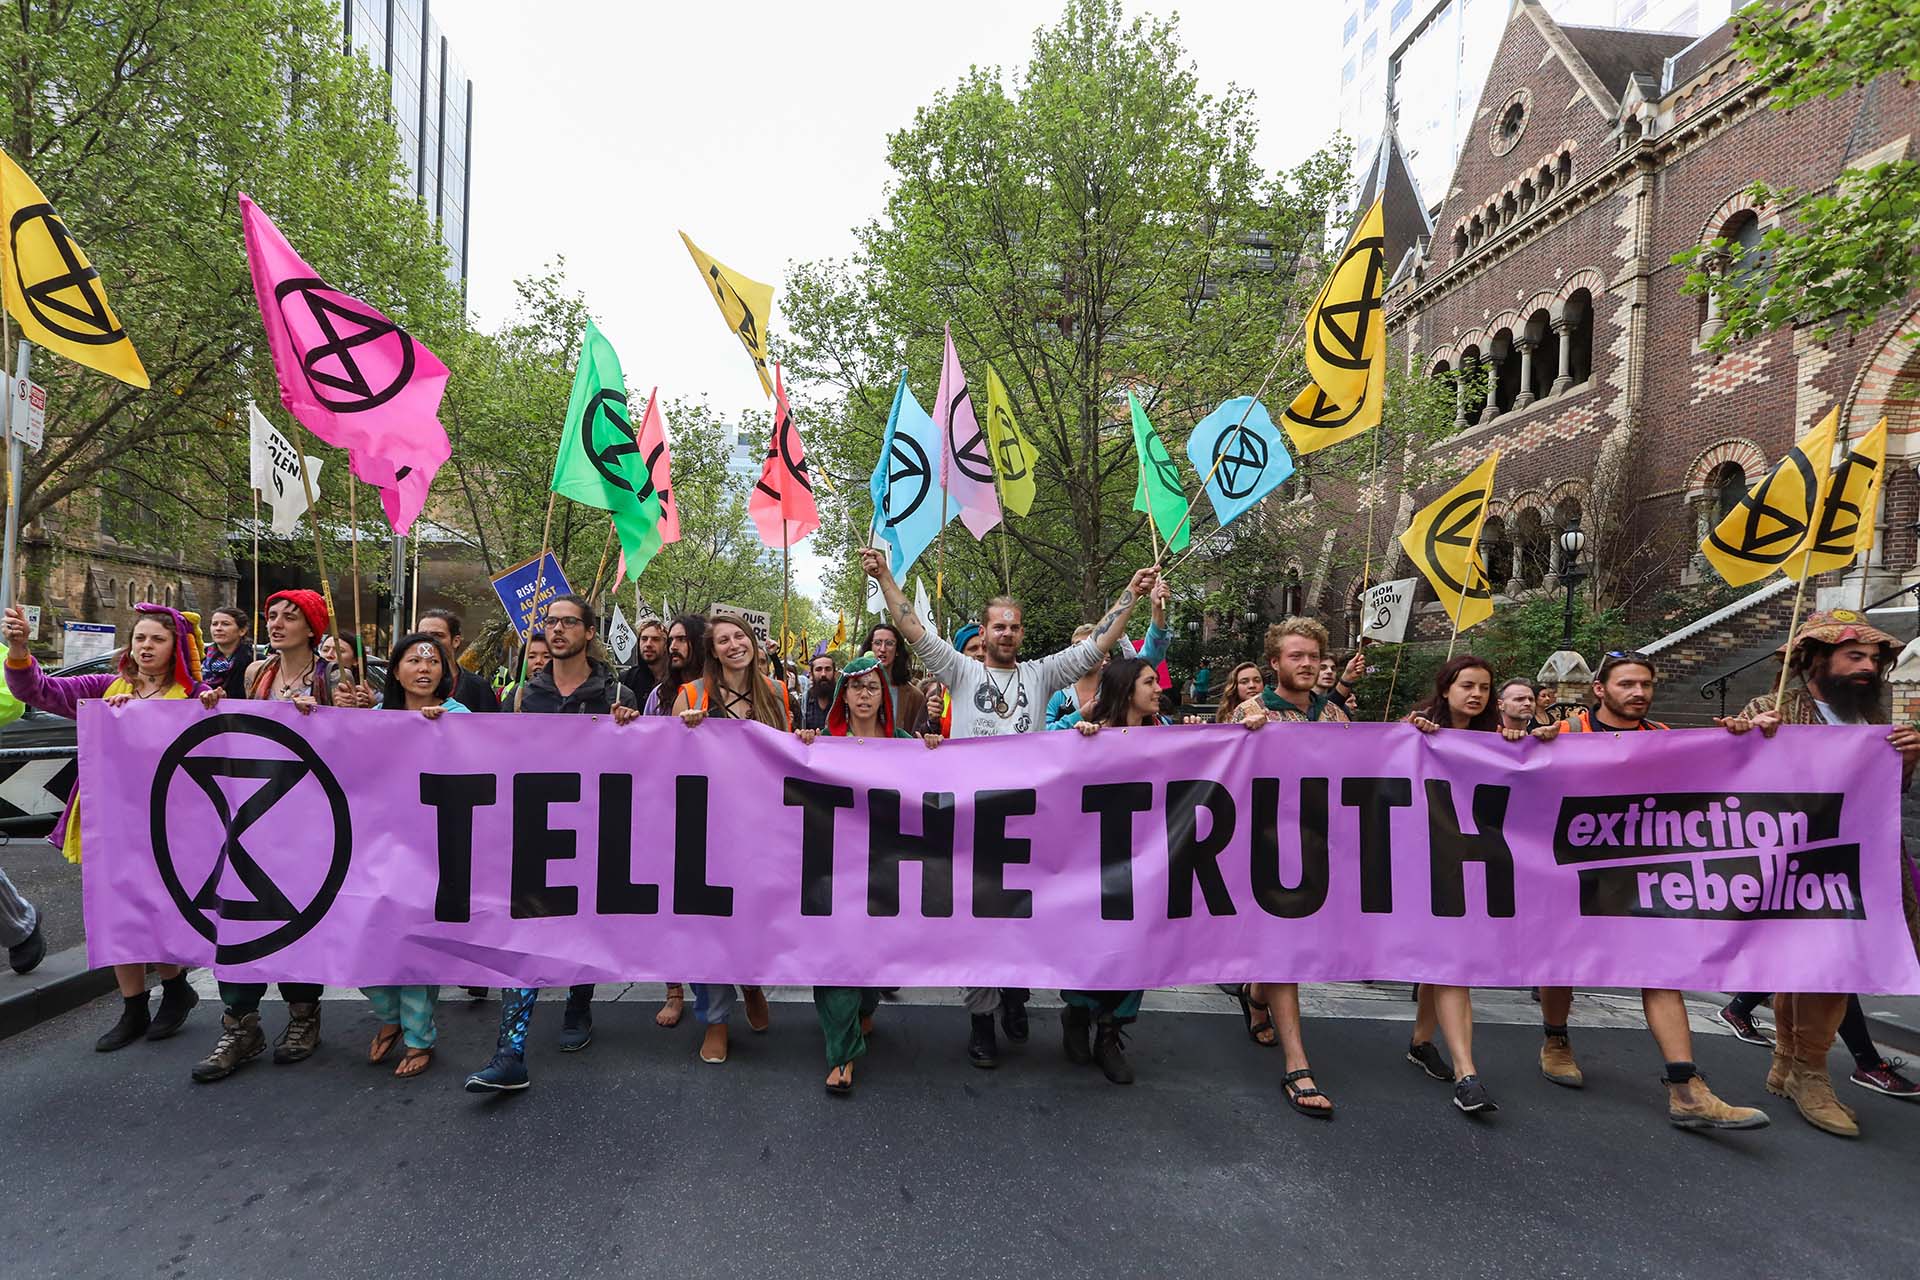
(639, 681)
(597, 695)
(474, 693)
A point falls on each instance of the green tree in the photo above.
(1848, 251)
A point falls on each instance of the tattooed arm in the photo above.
(1107, 631)
(912, 627)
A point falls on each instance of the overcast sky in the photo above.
(600, 129)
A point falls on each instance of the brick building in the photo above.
(1596, 156)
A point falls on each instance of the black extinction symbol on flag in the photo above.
(1767, 534)
(749, 326)
(1840, 516)
(279, 775)
(1239, 460)
(1453, 530)
(1340, 328)
(1162, 464)
(786, 447)
(906, 462)
(1013, 460)
(609, 408)
(347, 326)
(49, 298)
(1324, 414)
(653, 460)
(971, 454)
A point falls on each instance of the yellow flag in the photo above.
(1444, 543)
(1769, 527)
(51, 288)
(840, 633)
(1013, 453)
(1314, 421)
(746, 304)
(1850, 508)
(1347, 324)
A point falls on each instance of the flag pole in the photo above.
(258, 621)
(413, 583)
(353, 525)
(1393, 681)
(539, 584)
(940, 577)
(786, 581)
(1799, 591)
(16, 480)
(319, 551)
(606, 549)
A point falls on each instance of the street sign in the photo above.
(83, 640)
(29, 419)
(760, 623)
(516, 587)
(33, 622)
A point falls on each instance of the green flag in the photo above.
(599, 462)
(1158, 491)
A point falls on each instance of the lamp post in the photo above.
(1571, 574)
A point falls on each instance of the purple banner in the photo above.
(356, 847)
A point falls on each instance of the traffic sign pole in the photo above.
(16, 463)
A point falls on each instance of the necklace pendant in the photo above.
(1000, 707)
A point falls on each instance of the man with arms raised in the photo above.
(1001, 694)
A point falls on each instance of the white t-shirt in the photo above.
(1831, 716)
(975, 688)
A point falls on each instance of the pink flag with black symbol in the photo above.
(781, 505)
(966, 463)
(659, 460)
(348, 374)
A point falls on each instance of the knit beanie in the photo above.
(312, 606)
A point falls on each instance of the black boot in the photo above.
(1076, 1023)
(1107, 1046)
(982, 1050)
(134, 1021)
(177, 998)
(1013, 1013)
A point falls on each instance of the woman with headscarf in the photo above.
(162, 654)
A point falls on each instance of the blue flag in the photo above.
(906, 481)
(1253, 459)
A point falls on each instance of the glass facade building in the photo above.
(431, 107)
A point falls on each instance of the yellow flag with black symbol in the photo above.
(50, 287)
(840, 632)
(1346, 326)
(1444, 544)
(1013, 453)
(1314, 420)
(1850, 509)
(746, 304)
(1770, 527)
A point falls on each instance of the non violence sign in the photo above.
(357, 847)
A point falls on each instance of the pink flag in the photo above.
(966, 466)
(653, 447)
(348, 374)
(781, 505)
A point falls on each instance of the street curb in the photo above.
(61, 982)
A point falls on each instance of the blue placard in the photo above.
(516, 588)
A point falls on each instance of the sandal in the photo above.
(1265, 1035)
(1297, 1095)
(413, 1062)
(383, 1041)
(671, 1011)
(758, 1015)
(842, 1087)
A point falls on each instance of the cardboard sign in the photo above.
(760, 623)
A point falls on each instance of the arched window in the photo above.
(1476, 393)
(1745, 257)
(1496, 552)
(1292, 598)
(1579, 338)
(1460, 242)
(1545, 181)
(1528, 195)
(1476, 231)
(1506, 378)
(1546, 356)
(1535, 547)
(1563, 171)
(1493, 218)
(1508, 207)
(1728, 484)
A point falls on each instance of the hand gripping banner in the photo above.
(362, 847)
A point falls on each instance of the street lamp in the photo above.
(1571, 574)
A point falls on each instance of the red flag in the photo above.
(659, 460)
(782, 503)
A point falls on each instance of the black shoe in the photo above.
(576, 1031)
(477, 993)
(177, 999)
(1013, 1018)
(1428, 1059)
(1076, 1025)
(134, 1021)
(1107, 1046)
(26, 956)
(1472, 1097)
(982, 1050)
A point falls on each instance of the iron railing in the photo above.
(1716, 687)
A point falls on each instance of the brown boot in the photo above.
(1812, 1091)
(1780, 1073)
(240, 1041)
(1557, 1064)
(302, 1036)
(1691, 1105)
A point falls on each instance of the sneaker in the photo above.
(1691, 1105)
(177, 1000)
(1886, 1078)
(1076, 1025)
(1108, 1046)
(302, 1035)
(133, 1024)
(1472, 1097)
(1426, 1057)
(241, 1040)
(25, 956)
(576, 1030)
(1557, 1064)
(1013, 1017)
(1743, 1028)
(982, 1049)
(505, 1073)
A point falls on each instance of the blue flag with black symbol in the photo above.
(907, 498)
(1252, 459)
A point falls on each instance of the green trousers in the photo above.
(840, 1010)
(1107, 1006)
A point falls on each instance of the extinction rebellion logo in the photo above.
(1751, 855)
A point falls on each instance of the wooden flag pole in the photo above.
(940, 577)
(319, 552)
(414, 583)
(353, 526)
(1393, 681)
(533, 614)
(786, 582)
(1799, 593)
(606, 549)
(259, 621)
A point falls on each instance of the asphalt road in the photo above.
(634, 1159)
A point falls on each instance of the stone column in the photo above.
(1525, 397)
(1516, 581)
(1460, 377)
(1704, 510)
(1492, 409)
(1711, 326)
(1563, 330)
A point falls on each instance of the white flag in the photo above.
(1385, 608)
(620, 635)
(920, 605)
(274, 469)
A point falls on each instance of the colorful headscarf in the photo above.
(837, 723)
(188, 649)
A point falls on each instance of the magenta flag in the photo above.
(781, 505)
(348, 374)
(362, 847)
(966, 463)
(659, 459)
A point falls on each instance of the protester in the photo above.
(1623, 694)
(1518, 705)
(469, 690)
(20, 931)
(161, 656)
(537, 656)
(573, 683)
(229, 655)
(996, 695)
(649, 661)
(686, 655)
(1243, 684)
(419, 678)
(861, 707)
(885, 643)
(936, 717)
(1871, 1068)
(821, 692)
(731, 687)
(1078, 697)
(1128, 698)
(1836, 675)
(1337, 686)
(1294, 648)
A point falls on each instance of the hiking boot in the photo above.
(1472, 1097)
(1076, 1024)
(1013, 1015)
(302, 1036)
(576, 1029)
(1557, 1064)
(1743, 1028)
(177, 999)
(241, 1040)
(1691, 1105)
(1886, 1078)
(25, 956)
(1812, 1092)
(1426, 1057)
(1108, 1043)
(982, 1049)
(505, 1072)
(134, 1021)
